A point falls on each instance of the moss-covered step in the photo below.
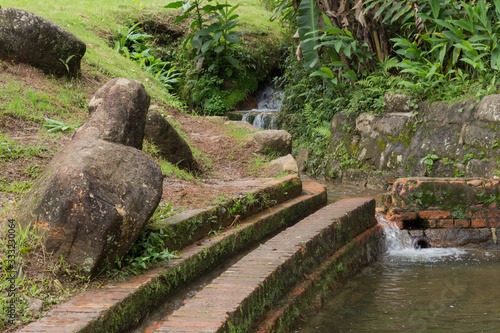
(241, 295)
(119, 306)
(190, 226)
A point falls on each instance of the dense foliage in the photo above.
(351, 52)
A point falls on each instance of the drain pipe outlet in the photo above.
(421, 243)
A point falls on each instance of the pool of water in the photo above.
(427, 290)
(338, 192)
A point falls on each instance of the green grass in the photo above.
(95, 22)
(167, 168)
(12, 150)
(171, 170)
(238, 133)
(14, 187)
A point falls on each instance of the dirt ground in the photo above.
(230, 157)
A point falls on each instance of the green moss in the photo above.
(411, 163)
(407, 134)
(382, 144)
(330, 281)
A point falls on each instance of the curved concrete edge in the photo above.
(188, 227)
(122, 305)
(327, 280)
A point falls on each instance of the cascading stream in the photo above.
(266, 115)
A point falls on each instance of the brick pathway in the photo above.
(230, 299)
(117, 305)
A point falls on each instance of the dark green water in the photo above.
(428, 290)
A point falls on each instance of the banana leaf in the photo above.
(307, 20)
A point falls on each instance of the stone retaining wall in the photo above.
(414, 140)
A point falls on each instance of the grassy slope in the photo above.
(27, 97)
(33, 97)
(95, 21)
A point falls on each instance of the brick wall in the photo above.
(419, 203)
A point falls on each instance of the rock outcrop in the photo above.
(29, 38)
(171, 145)
(94, 198)
(272, 141)
(436, 139)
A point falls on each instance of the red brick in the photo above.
(491, 213)
(433, 223)
(491, 183)
(475, 182)
(479, 223)
(494, 223)
(476, 214)
(401, 216)
(461, 223)
(434, 215)
(445, 223)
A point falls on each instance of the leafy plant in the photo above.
(307, 22)
(429, 160)
(55, 125)
(146, 252)
(132, 45)
(10, 149)
(131, 39)
(346, 54)
(66, 62)
(213, 37)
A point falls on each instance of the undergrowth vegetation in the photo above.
(219, 65)
(351, 55)
(21, 256)
(149, 249)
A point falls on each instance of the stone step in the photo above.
(116, 307)
(242, 294)
(190, 226)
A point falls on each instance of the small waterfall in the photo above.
(395, 238)
(401, 246)
(269, 98)
(269, 104)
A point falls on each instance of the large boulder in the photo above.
(170, 144)
(272, 141)
(29, 38)
(96, 195)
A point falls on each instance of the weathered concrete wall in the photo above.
(459, 140)
(447, 211)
